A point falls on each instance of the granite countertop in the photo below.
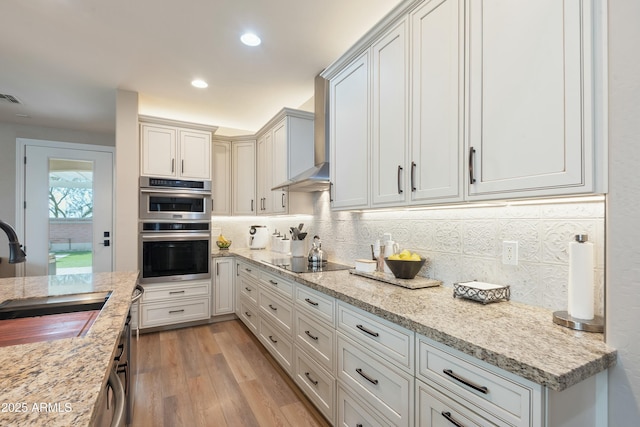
(518, 338)
(58, 383)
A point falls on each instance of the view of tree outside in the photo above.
(70, 201)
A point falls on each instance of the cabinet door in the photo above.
(279, 166)
(221, 174)
(435, 170)
(195, 155)
(349, 135)
(158, 157)
(390, 68)
(263, 183)
(244, 178)
(223, 286)
(529, 98)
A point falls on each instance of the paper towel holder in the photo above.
(563, 318)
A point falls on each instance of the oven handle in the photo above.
(161, 236)
(180, 192)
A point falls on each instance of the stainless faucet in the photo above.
(16, 254)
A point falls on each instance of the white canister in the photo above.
(298, 248)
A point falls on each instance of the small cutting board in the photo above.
(417, 282)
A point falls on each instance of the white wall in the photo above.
(623, 212)
(9, 132)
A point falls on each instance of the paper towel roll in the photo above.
(580, 287)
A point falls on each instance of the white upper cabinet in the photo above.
(175, 152)
(349, 127)
(390, 130)
(530, 114)
(265, 174)
(221, 177)
(437, 58)
(244, 177)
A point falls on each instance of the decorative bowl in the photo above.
(223, 245)
(404, 269)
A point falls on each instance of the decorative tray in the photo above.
(415, 283)
(481, 291)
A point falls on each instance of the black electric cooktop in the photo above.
(301, 265)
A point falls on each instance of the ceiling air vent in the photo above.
(9, 98)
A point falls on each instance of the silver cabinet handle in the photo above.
(468, 383)
(313, 303)
(367, 377)
(472, 152)
(311, 336)
(399, 176)
(118, 397)
(314, 382)
(367, 331)
(283, 194)
(452, 420)
(173, 165)
(182, 166)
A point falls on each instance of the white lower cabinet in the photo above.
(277, 310)
(381, 384)
(317, 339)
(318, 384)
(223, 294)
(277, 343)
(352, 412)
(165, 304)
(248, 314)
(434, 409)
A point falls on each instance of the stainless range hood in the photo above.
(316, 178)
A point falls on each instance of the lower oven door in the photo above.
(174, 256)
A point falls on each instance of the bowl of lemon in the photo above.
(223, 243)
(405, 264)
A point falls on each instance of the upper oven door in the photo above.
(174, 204)
(171, 256)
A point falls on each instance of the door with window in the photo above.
(68, 209)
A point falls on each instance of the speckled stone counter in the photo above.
(518, 338)
(58, 383)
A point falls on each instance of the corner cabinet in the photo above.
(244, 177)
(221, 177)
(530, 112)
(174, 152)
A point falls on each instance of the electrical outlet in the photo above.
(510, 252)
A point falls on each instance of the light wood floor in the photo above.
(215, 375)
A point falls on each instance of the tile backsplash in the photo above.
(461, 243)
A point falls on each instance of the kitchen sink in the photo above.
(58, 304)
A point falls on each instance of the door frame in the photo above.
(21, 144)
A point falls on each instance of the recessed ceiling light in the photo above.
(250, 39)
(199, 83)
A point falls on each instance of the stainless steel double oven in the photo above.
(174, 230)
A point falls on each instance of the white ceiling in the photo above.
(64, 59)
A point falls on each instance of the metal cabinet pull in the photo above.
(273, 308)
(367, 331)
(472, 152)
(251, 205)
(217, 269)
(367, 377)
(452, 420)
(273, 340)
(273, 282)
(173, 165)
(413, 176)
(330, 192)
(399, 176)
(359, 425)
(246, 313)
(314, 382)
(182, 166)
(176, 311)
(175, 292)
(313, 303)
(248, 289)
(248, 270)
(480, 388)
(283, 194)
(311, 336)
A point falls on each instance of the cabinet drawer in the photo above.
(247, 270)
(248, 288)
(169, 313)
(279, 311)
(498, 393)
(384, 338)
(172, 291)
(323, 306)
(353, 412)
(248, 313)
(279, 345)
(316, 383)
(381, 384)
(435, 409)
(277, 284)
(317, 339)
